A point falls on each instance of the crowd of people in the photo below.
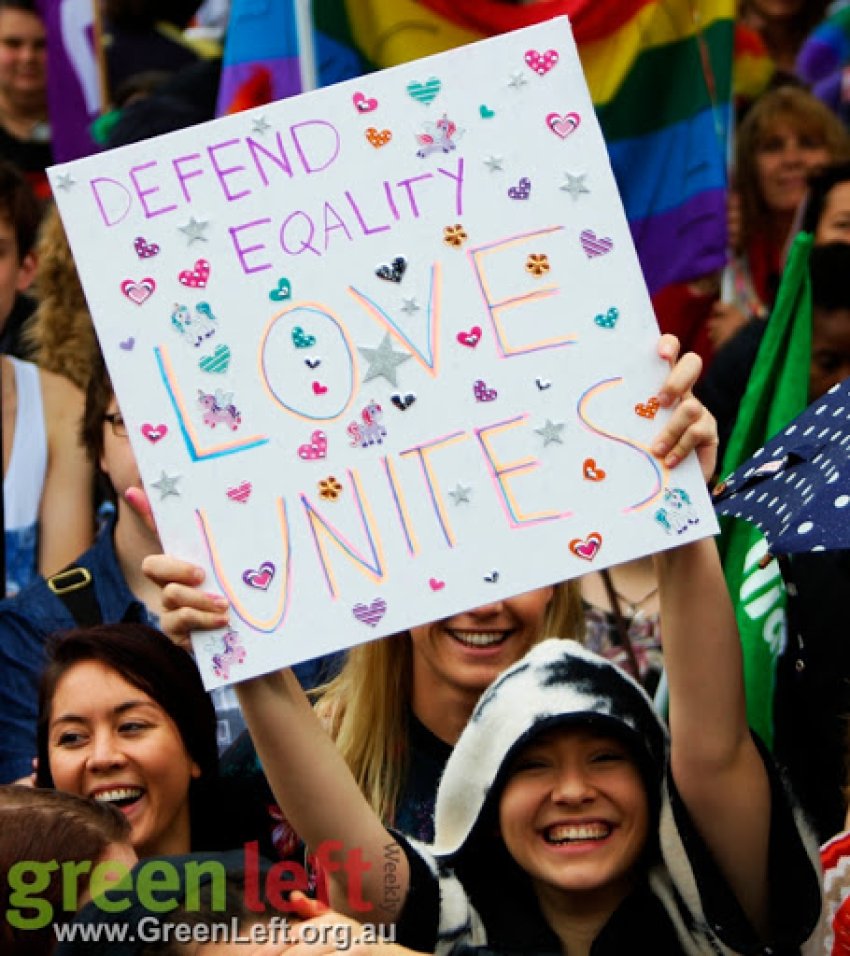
(586, 783)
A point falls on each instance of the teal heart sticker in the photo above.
(217, 362)
(486, 112)
(425, 92)
(282, 292)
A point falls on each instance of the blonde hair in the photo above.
(59, 336)
(365, 707)
(801, 111)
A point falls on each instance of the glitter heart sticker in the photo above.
(301, 340)
(138, 291)
(145, 249)
(609, 320)
(363, 103)
(482, 393)
(394, 272)
(649, 409)
(565, 125)
(587, 548)
(522, 190)
(378, 138)
(402, 402)
(492, 577)
(196, 277)
(370, 614)
(541, 63)
(316, 448)
(261, 577)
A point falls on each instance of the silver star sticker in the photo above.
(574, 185)
(383, 360)
(166, 485)
(460, 494)
(493, 163)
(261, 126)
(409, 305)
(194, 230)
(550, 432)
(517, 80)
(65, 181)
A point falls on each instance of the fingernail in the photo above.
(659, 448)
(672, 460)
(664, 398)
(220, 602)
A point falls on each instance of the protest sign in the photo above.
(385, 349)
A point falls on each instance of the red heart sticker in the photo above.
(471, 338)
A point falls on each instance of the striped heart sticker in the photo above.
(372, 613)
(425, 92)
(217, 362)
(594, 245)
(564, 125)
(240, 492)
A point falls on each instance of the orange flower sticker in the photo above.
(330, 488)
(454, 235)
(537, 264)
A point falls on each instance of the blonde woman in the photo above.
(398, 706)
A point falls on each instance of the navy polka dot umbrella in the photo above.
(796, 488)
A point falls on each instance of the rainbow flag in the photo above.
(263, 54)
(824, 58)
(660, 74)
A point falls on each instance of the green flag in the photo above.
(777, 392)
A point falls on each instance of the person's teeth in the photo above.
(566, 833)
(482, 639)
(118, 794)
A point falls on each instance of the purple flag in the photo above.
(73, 89)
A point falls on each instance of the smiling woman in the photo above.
(124, 719)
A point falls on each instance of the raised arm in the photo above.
(716, 766)
(307, 774)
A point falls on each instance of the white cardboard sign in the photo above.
(385, 349)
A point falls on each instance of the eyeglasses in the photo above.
(116, 421)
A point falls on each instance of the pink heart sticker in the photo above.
(316, 448)
(587, 548)
(372, 613)
(140, 291)
(482, 393)
(563, 125)
(471, 338)
(145, 249)
(319, 389)
(436, 584)
(154, 433)
(364, 104)
(240, 492)
(541, 63)
(261, 577)
(197, 277)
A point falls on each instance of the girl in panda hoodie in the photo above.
(568, 820)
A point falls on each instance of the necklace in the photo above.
(633, 608)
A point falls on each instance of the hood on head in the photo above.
(558, 682)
